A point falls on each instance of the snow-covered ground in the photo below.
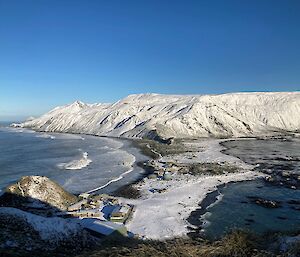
(163, 215)
(181, 116)
(49, 229)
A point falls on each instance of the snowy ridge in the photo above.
(181, 116)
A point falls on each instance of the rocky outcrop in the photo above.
(37, 192)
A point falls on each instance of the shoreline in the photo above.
(167, 213)
(126, 146)
(196, 216)
(177, 226)
(132, 143)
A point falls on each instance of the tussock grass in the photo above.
(235, 244)
(128, 191)
(163, 149)
(210, 169)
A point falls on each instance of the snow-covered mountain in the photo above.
(179, 116)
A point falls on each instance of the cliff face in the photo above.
(227, 115)
(33, 189)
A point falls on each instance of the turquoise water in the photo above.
(236, 210)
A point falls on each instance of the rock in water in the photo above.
(35, 191)
(265, 202)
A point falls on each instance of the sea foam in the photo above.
(77, 164)
(44, 135)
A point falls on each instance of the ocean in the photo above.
(79, 163)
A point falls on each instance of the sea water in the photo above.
(235, 210)
(77, 162)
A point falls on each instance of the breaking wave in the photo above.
(44, 135)
(111, 181)
(76, 164)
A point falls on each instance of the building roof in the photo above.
(124, 208)
(84, 195)
(121, 209)
(102, 227)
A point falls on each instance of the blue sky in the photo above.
(55, 52)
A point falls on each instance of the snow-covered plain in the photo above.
(163, 215)
(181, 116)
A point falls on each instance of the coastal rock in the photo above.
(265, 202)
(164, 117)
(283, 179)
(36, 192)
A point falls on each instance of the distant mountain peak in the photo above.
(78, 103)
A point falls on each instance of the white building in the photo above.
(105, 228)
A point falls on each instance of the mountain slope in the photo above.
(145, 115)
